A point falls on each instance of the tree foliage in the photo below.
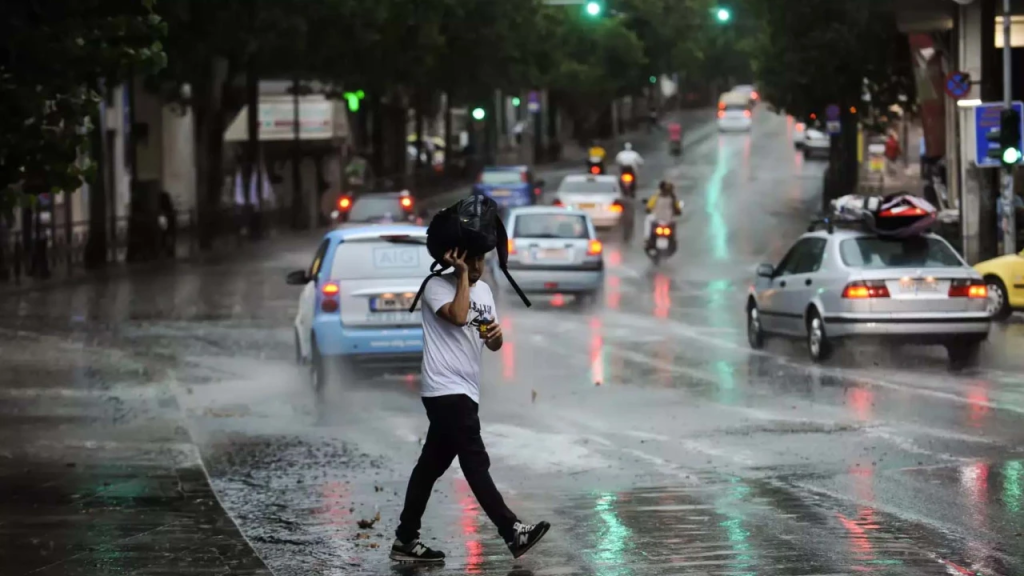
(55, 57)
(818, 52)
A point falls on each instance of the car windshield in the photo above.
(550, 226)
(917, 252)
(500, 177)
(377, 209)
(587, 186)
(380, 258)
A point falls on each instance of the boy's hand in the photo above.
(492, 333)
(457, 261)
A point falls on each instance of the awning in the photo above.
(319, 119)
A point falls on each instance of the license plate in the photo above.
(389, 303)
(918, 286)
(661, 243)
(501, 193)
(394, 318)
(551, 254)
(588, 206)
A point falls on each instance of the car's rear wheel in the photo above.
(998, 302)
(819, 347)
(755, 333)
(963, 352)
(317, 369)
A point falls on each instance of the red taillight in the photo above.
(511, 246)
(616, 207)
(746, 113)
(537, 191)
(344, 203)
(406, 202)
(968, 289)
(753, 95)
(595, 248)
(721, 113)
(800, 126)
(861, 290)
(557, 203)
(627, 178)
(663, 231)
(595, 169)
(901, 211)
(329, 303)
(721, 105)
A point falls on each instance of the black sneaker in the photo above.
(415, 551)
(526, 536)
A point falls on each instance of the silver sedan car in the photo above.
(599, 196)
(553, 249)
(845, 283)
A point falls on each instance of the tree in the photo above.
(55, 59)
(819, 52)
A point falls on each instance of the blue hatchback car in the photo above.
(509, 186)
(356, 296)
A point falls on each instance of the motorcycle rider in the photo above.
(663, 207)
(628, 158)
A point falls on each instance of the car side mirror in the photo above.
(766, 271)
(297, 278)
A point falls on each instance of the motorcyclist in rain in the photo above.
(663, 207)
(629, 158)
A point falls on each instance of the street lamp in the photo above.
(723, 14)
(593, 8)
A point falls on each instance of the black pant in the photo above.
(454, 431)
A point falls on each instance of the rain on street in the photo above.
(641, 426)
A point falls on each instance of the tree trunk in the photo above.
(252, 94)
(208, 108)
(96, 245)
(299, 217)
(419, 131)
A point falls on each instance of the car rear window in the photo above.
(550, 226)
(584, 186)
(500, 177)
(366, 259)
(917, 252)
(735, 108)
(371, 209)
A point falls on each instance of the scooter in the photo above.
(675, 147)
(662, 242)
(627, 180)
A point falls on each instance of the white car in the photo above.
(551, 249)
(598, 196)
(816, 142)
(355, 300)
(734, 117)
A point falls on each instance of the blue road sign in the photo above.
(958, 84)
(832, 112)
(533, 101)
(986, 120)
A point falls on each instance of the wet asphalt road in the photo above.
(642, 427)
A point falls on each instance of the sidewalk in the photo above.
(98, 474)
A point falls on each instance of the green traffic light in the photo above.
(593, 8)
(1011, 156)
(478, 113)
(653, 79)
(352, 98)
(516, 101)
(723, 15)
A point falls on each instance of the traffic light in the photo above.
(478, 113)
(516, 101)
(653, 79)
(723, 14)
(1009, 137)
(594, 9)
(353, 98)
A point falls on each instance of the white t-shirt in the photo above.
(451, 354)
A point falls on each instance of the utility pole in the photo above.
(1008, 220)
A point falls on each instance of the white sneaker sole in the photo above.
(404, 558)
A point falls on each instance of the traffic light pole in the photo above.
(1007, 222)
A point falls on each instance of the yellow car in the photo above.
(1005, 279)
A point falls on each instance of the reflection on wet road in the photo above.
(642, 425)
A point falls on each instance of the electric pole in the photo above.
(1008, 220)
